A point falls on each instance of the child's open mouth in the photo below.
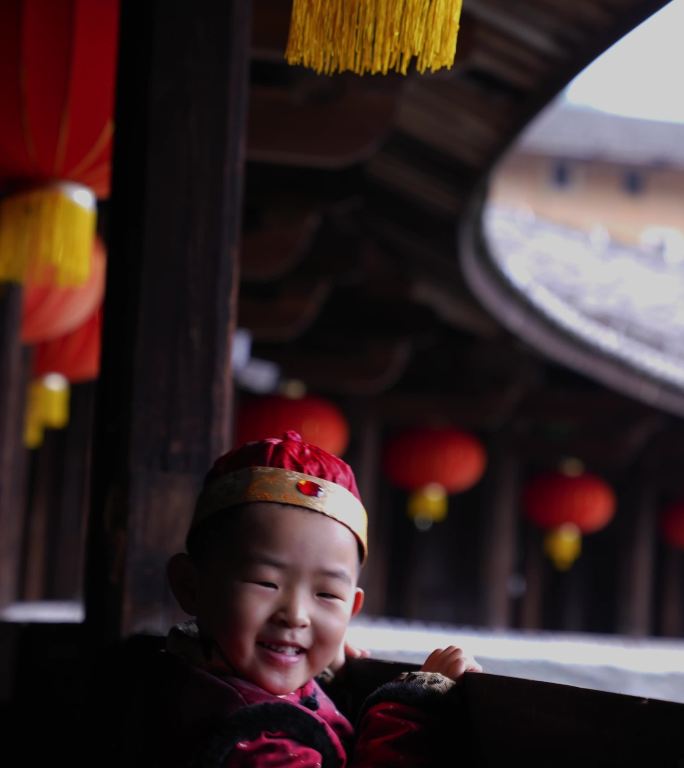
(287, 650)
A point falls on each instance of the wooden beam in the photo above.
(270, 27)
(333, 132)
(270, 252)
(369, 368)
(285, 314)
(164, 401)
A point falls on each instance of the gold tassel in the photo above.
(373, 35)
(428, 505)
(47, 406)
(563, 545)
(33, 424)
(46, 234)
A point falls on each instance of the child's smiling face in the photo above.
(277, 592)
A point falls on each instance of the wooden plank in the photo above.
(164, 405)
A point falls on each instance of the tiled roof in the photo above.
(567, 131)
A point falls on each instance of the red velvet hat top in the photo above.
(289, 471)
(286, 452)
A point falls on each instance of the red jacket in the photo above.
(203, 720)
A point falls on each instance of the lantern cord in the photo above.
(373, 35)
(47, 234)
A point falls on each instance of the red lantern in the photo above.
(445, 456)
(672, 524)
(432, 463)
(58, 64)
(553, 499)
(75, 355)
(318, 421)
(50, 311)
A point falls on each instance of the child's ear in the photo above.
(358, 601)
(182, 576)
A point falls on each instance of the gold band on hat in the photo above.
(284, 486)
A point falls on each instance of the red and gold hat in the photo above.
(289, 471)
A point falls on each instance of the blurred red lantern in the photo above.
(553, 499)
(567, 506)
(449, 457)
(58, 64)
(672, 524)
(318, 421)
(50, 311)
(432, 463)
(75, 355)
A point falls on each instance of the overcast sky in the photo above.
(641, 75)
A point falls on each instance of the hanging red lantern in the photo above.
(318, 421)
(585, 500)
(432, 463)
(447, 456)
(50, 311)
(75, 355)
(672, 524)
(567, 506)
(58, 59)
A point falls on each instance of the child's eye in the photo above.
(329, 596)
(261, 583)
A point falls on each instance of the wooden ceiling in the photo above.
(356, 189)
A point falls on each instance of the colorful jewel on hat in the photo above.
(309, 488)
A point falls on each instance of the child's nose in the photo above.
(293, 611)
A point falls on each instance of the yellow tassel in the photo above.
(33, 423)
(373, 35)
(563, 545)
(46, 234)
(54, 400)
(428, 505)
(47, 406)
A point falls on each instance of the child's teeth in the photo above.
(289, 650)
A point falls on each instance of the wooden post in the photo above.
(672, 614)
(65, 556)
(164, 399)
(12, 453)
(532, 604)
(374, 576)
(636, 587)
(500, 538)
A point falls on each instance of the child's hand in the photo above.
(345, 652)
(451, 662)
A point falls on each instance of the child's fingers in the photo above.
(356, 653)
(432, 662)
(450, 661)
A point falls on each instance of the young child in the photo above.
(274, 552)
